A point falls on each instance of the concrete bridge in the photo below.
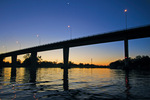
(123, 35)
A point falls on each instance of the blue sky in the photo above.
(22, 20)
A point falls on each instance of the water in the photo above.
(84, 84)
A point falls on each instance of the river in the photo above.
(82, 84)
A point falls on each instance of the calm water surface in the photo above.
(84, 84)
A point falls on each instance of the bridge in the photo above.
(123, 35)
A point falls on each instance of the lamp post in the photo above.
(126, 44)
(70, 30)
(125, 17)
(5, 48)
(19, 44)
(39, 39)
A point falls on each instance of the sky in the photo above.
(28, 23)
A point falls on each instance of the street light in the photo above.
(5, 48)
(70, 30)
(126, 42)
(39, 39)
(19, 44)
(126, 17)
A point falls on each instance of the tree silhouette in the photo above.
(28, 59)
(139, 62)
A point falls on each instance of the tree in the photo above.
(27, 56)
(18, 62)
(139, 62)
(28, 60)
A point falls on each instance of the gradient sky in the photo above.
(23, 20)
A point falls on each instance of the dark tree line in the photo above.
(70, 64)
(28, 62)
(139, 62)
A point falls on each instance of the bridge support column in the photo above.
(33, 67)
(34, 59)
(14, 65)
(65, 76)
(126, 53)
(14, 60)
(1, 62)
(66, 56)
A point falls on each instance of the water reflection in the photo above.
(50, 78)
(6, 76)
(127, 84)
(1, 71)
(87, 77)
(21, 75)
(32, 73)
(94, 81)
(53, 76)
(65, 79)
(13, 74)
(38, 76)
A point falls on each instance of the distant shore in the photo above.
(137, 63)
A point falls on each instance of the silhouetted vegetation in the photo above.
(3, 63)
(139, 62)
(70, 64)
(28, 62)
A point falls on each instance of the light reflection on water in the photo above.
(84, 83)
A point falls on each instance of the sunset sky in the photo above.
(28, 23)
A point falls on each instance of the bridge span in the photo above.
(123, 35)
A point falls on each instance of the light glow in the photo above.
(17, 42)
(37, 36)
(125, 10)
(68, 26)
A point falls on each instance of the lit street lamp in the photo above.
(5, 48)
(39, 39)
(19, 44)
(70, 30)
(126, 42)
(126, 17)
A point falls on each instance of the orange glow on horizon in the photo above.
(7, 59)
(76, 56)
(57, 56)
(105, 63)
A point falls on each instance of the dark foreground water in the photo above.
(84, 84)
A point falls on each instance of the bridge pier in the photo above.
(14, 60)
(66, 56)
(1, 62)
(34, 59)
(33, 67)
(14, 65)
(65, 67)
(126, 53)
